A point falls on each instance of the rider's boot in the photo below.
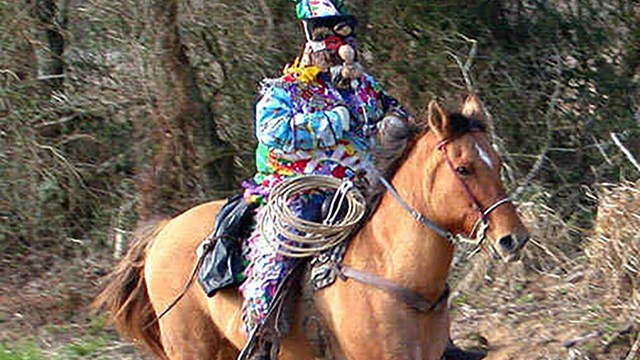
(222, 263)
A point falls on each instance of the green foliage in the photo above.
(82, 348)
(97, 325)
(26, 351)
(29, 350)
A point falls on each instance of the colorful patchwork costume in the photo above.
(306, 124)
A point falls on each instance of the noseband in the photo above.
(409, 297)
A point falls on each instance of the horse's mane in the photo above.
(395, 140)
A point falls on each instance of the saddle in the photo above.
(223, 266)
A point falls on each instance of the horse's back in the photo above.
(188, 329)
(173, 252)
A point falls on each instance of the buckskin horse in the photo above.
(449, 177)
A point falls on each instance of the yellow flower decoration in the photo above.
(304, 74)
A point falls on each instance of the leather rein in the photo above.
(409, 297)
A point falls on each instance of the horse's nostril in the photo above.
(507, 243)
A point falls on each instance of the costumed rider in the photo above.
(320, 117)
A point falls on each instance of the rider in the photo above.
(320, 117)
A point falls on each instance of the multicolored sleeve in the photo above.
(390, 105)
(278, 124)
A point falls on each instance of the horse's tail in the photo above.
(125, 296)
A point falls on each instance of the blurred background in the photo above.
(113, 113)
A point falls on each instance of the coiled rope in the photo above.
(294, 237)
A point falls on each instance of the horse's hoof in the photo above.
(455, 353)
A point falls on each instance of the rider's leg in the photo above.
(268, 268)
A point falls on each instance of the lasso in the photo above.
(294, 237)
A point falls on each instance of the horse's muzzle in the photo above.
(509, 247)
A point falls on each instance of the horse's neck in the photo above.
(393, 244)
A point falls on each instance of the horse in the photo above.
(448, 176)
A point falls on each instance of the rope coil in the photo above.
(294, 237)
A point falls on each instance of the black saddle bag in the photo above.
(223, 266)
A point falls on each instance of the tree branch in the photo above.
(625, 151)
(465, 69)
(537, 166)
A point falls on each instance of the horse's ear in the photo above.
(472, 108)
(438, 120)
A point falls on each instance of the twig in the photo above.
(9, 74)
(602, 152)
(64, 160)
(51, 77)
(537, 166)
(121, 236)
(573, 342)
(625, 150)
(634, 348)
(466, 67)
(109, 349)
(57, 122)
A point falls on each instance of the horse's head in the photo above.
(465, 190)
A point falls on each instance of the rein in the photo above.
(205, 247)
(407, 296)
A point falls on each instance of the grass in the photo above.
(31, 350)
(24, 351)
(82, 348)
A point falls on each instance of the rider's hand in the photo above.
(344, 115)
(389, 123)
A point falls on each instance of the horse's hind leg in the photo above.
(188, 333)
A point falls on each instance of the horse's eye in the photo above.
(463, 171)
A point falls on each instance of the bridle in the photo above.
(481, 225)
(410, 297)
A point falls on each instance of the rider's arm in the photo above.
(390, 105)
(279, 125)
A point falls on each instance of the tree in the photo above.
(173, 179)
(51, 24)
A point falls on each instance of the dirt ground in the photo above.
(529, 316)
(44, 310)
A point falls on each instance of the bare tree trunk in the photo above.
(51, 25)
(173, 180)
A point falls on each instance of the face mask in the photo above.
(331, 43)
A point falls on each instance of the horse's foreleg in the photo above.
(436, 333)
